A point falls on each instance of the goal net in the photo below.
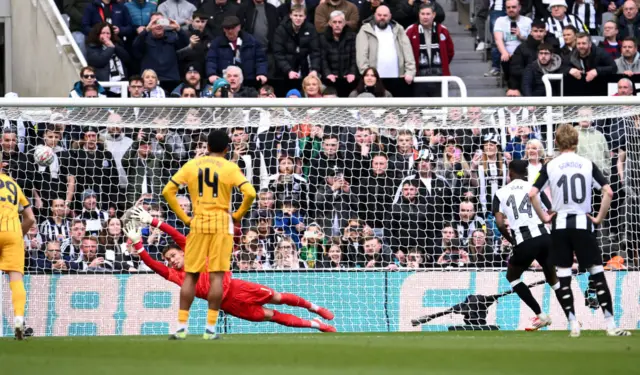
(377, 210)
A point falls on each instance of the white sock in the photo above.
(182, 326)
(543, 316)
(314, 307)
(211, 328)
(611, 323)
(315, 324)
(572, 318)
(18, 321)
(574, 324)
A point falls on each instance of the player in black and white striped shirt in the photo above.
(529, 236)
(571, 179)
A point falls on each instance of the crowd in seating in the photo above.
(330, 197)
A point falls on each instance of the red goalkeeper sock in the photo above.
(290, 320)
(293, 300)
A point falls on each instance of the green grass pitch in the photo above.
(446, 353)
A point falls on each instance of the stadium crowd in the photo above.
(330, 197)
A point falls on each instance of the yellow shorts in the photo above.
(11, 252)
(208, 252)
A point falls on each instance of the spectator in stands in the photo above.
(94, 169)
(90, 91)
(33, 242)
(384, 45)
(16, 164)
(547, 63)
(188, 91)
(406, 12)
(192, 78)
(516, 146)
(338, 46)
(106, 53)
(569, 39)
(468, 222)
(179, 10)
(334, 259)
(87, 77)
(375, 255)
(152, 87)
(116, 142)
(89, 259)
(286, 256)
(261, 20)
(375, 192)
(157, 48)
(109, 11)
(559, 19)
(144, 170)
(432, 48)
(56, 227)
(235, 79)
(453, 166)
(410, 225)
(71, 245)
(590, 61)
(238, 48)
(625, 87)
(312, 245)
(53, 181)
(93, 217)
(53, 260)
(329, 158)
(527, 52)
(199, 41)
(629, 21)
(367, 10)
(335, 203)
(326, 8)
(610, 43)
(217, 11)
(403, 160)
(75, 9)
(289, 221)
(629, 63)
(592, 144)
(509, 31)
(136, 87)
(585, 11)
(480, 252)
(312, 86)
(371, 83)
(140, 12)
(535, 155)
(261, 251)
(287, 184)
(490, 170)
(296, 46)
(310, 5)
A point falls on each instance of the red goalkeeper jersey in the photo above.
(177, 276)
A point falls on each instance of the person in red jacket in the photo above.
(432, 48)
(242, 299)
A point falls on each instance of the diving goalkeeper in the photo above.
(241, 299)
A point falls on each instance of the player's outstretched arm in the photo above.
(139, 213)
(248, 196)
(133, 233)
(170, 193)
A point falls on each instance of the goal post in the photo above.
(376, 208)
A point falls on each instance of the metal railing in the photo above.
(66, 39)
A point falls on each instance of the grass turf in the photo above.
(301, 354)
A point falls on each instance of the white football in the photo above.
(43, 155)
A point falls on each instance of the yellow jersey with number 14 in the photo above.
(210, 181)
(11, 199)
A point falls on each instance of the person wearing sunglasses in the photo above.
(87, 78)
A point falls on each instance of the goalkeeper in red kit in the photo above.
(242, 299)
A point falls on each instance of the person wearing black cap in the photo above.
(217, 11)
(238, 48)
(95, 168)
(193, 78)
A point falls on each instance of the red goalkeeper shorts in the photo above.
(244, 300)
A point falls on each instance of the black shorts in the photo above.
(582, 242)
(534, 249)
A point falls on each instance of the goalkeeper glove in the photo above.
(132, 231)
(138, 213)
